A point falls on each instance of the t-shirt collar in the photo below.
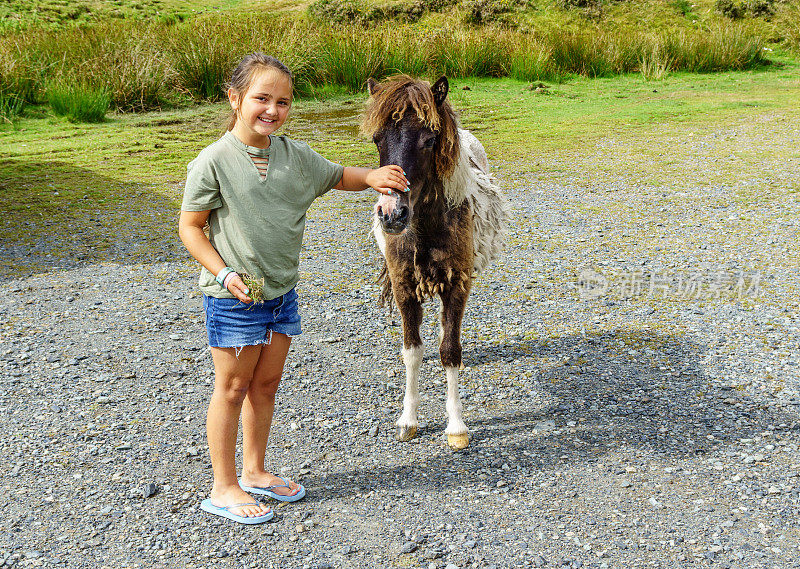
(254, 150)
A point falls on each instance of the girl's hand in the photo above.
(387, 179)
(237, 288)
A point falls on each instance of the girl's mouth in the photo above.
(268, 121)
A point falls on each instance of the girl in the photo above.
(253, 188)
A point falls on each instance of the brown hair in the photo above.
(389, 103)
(242, 76)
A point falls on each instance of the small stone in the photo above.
(539, 561)
(541, 426)
(149, 489)
(373, 432)
(175, 337)
(625, 484)
(408, 547)
(300, 528)
(451, 566)
(191, 451)
(470, 544)
(750, 459)
(347, 550)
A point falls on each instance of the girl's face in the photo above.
(263, 108)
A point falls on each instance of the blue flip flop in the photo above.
(267, 491)
(225, 512)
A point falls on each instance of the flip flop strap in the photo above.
(237, 505)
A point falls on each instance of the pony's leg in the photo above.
(411, 313)
(407, 423)
(453, 305)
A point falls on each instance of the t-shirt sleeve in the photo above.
(202, 187)
(321, 172)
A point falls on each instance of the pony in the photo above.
(439, 235)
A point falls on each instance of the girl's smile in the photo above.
(263, 109)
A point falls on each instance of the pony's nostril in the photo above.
(402, 213)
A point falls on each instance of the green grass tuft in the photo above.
(11, 106)
(79, 102)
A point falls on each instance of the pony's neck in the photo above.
(431, 208)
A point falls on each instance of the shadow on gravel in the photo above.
(55, 216)
(621, 390)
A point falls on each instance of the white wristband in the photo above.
(220, 278)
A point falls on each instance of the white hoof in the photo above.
(458, 442)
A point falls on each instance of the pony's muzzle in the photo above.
(396, 221)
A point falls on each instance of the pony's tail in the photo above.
(385, 283)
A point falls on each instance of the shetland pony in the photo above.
(439, 235)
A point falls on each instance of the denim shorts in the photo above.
(232, 324)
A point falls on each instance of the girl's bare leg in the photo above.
(233, 378)
(257, 414)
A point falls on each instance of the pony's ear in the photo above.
(440, 89)
(372, 86)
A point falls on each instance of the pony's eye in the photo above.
(430, 142)
(377, 137)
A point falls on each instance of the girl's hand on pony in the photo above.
(237, 288)
(387, 179)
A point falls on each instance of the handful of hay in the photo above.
(256, 287)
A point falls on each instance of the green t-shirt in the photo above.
(257, 225)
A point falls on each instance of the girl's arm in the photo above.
(190, 230)
(383, 180)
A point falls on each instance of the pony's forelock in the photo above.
(391, 100)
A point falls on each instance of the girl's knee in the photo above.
(232, 390)
(265, 386)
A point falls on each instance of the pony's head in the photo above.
(414, 127)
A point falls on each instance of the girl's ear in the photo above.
(233, 98)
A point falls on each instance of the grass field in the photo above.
(97, 182)
(160, 58)
(100, 180)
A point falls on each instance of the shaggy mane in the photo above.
(391, 100)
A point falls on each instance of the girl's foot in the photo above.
(235, 495)
(264, 479)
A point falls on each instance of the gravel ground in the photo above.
(631, 384)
